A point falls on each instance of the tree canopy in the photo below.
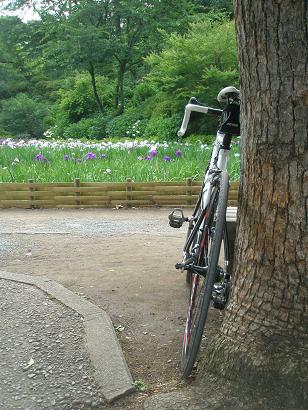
(96, 60)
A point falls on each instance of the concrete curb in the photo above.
(111, 371)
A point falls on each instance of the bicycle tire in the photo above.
(209, 244)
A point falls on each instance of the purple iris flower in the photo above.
(153, 153)
(147, 158)
(167, 158)
(40, 157)
(90, 155)
(178, 153)
(66, 157)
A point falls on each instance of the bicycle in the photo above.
(207, 237)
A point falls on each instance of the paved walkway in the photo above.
(57, 350)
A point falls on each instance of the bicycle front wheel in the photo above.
(205, 250)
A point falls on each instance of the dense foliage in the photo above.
(115, 68)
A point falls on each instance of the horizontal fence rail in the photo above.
(79, 194)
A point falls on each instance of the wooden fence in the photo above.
(103, 195)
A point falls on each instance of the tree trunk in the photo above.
(96, 96)
(119, 95)
(263, 339)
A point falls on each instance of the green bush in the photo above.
(163, 128)
(23, 116)
(78, 129)
(126, 125)
(142, 91)
(93, 128)
(199, 64)
(98, 129)
(77, 102)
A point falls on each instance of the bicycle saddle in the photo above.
(227, 92)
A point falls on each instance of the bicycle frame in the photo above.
(207, 246)
(217, 164)
(220, 152)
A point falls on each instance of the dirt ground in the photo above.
(123, 261)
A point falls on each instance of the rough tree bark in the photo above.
(263, 339)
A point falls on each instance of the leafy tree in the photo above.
(22, 115)
(198, 63)
(77, 102)
(43, 7)
(22, 64)
(79, 42)
(110, 37)
(13, 72)
(136, 31)
(45, 75)
(71, 36)
(226, 5)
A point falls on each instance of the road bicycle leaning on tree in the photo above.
(206, 253)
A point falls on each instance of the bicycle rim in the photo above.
(208, 247)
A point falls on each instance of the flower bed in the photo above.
(47, 161)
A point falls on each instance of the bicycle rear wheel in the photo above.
(205, 249)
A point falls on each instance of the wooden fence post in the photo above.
(77, 194)
(189, 191)
(129, 189)
(32, 197)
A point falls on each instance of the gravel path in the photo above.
(122, 261)
(43, 364)
(17, 225)
(85, 223)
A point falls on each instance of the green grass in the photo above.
(18, 164)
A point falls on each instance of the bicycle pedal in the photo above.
(177, 218)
